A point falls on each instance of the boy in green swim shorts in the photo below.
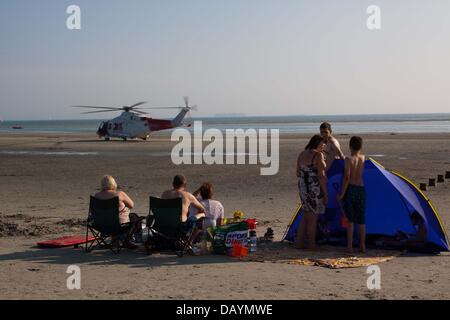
(353, 193)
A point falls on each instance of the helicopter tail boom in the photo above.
(178, 120)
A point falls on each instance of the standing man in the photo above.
(332, 149)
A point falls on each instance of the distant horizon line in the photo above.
(237, 115)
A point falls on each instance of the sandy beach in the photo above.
(46, 180)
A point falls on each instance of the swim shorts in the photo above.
(191, 222)
(355, 204)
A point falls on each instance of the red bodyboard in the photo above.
(65, 242)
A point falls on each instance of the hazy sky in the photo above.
(259, 57)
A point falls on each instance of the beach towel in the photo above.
(327, 257)
(341, 263)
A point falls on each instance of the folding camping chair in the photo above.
(165, 223)
(103, 222)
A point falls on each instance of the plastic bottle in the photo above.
(145, 231)
(252, 241)
(196, 249)
(142, 235)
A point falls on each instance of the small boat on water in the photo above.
(17, 127)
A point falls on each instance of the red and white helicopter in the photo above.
(131, 124)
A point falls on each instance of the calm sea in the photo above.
(342, 124)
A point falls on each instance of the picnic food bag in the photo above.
(225, 236)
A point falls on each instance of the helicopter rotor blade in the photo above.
(138, 104)
(98, 111)
(140, 112)
(163, 108)
(135, 108)
(96, 107)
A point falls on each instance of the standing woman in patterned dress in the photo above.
(312, 185)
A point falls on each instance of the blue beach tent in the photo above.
(390, 200)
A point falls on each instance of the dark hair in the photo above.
(179, 181)
(206, 190)
(314, 142)
(326, 126)
(356, 143)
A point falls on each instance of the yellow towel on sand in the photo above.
(340, 263)
(328, 257)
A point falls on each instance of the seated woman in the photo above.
(109, 191)
(214, 211)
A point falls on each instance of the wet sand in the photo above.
(46, 180)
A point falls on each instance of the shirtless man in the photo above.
(332, 149)
(353, 193)
(179, 191)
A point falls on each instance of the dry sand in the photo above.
(46, 195)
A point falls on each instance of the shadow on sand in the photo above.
(273, 252)
(133, 259)
(104, 141)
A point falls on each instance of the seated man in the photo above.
(214, 210)
(179, 191)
